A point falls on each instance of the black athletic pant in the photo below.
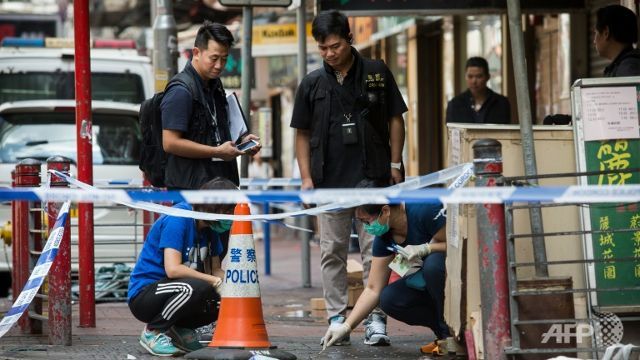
(187, 303)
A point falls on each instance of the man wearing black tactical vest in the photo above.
(349, 126)
(195, 132)
(196, 135)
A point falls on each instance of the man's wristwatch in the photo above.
(397, 165)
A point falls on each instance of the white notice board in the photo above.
(610, 113)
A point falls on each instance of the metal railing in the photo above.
(552, 316)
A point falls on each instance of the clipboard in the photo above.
(237, 120)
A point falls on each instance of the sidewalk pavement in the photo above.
(291, 324)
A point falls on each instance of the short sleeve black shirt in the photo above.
(343, 163)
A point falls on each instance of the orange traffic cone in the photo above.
(240, 325)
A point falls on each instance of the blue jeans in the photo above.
(415, 307)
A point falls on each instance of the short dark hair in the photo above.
(213, 31)
(480, 62)
(371, 209)
(218, 183)
(621, 21)
(330, 22)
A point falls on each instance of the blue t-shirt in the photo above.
(172, 232)
(421, 226)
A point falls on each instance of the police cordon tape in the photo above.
(244, 182)
(41, 270)
(463, 171)
(339, 198)
(248, 182)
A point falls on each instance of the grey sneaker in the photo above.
(206, 333)
(375, 333)
(335, 321)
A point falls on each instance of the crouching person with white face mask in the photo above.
(416, 234)
(174, 284)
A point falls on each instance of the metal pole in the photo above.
(492, 253)
(153, 11)
(60, 273)
(165, 43)
(513, 277)
(247, 75)
(266, 230)
(526, 131)
(15, 288)
(302, 39)
(27, 175)
(302, 71)
(306, 252)
(85, 162)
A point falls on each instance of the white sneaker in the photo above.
(375, 333)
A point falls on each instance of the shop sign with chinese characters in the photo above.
(612, 143)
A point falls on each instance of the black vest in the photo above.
(188, 173)
(370, 115)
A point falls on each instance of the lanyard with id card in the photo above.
(348, 124)
(349, 128)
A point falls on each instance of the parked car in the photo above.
(40, 129)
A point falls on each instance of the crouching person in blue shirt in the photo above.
(174, 284)
(417, 233)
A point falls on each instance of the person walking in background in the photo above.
(478, 104)
(615, 33)
(196, 135)
(174, 285)
(258, 168)
(349, 127)
(417, 233)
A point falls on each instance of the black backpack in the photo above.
(153, 159)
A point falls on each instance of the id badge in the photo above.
(349, 133)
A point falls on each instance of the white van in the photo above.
(40, 129)
(37, 120)
(38, 73)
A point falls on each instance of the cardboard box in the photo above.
(317, 304)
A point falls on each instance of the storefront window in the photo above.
(283, 70)
(448, 58)
(397, 61)
(484, 38)
(553, 71)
